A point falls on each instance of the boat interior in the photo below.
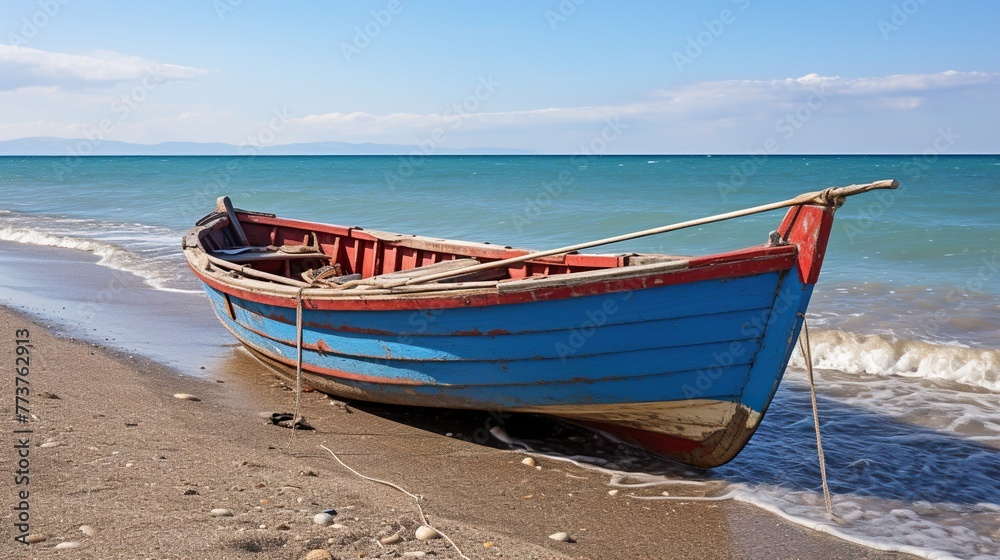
(332, 255)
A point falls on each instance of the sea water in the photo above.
(905, 318)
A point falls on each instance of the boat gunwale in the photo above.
(678, 270)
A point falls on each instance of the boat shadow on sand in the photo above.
(867, 453)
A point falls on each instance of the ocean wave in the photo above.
(152, 270)
(885, 355)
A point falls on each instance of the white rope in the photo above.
(296, 417)
(806, 348)
(416, 498)
(298, 358)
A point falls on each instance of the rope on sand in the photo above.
(416, 498)
(806, 349)
(296, 418)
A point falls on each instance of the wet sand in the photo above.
(112, 448)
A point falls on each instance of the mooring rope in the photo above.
(416, 498)
(806, 348)
(298, 358)
(296, 416)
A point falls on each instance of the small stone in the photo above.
(665, 493)
(415, 554)
(560, 536)
(88, 530)
(338, 526)
(128, 464)
(221, 512)
(425, 533)
(50, 444)
(67, 545)
(32, 539)
(322, 519)
(392, 539)
(319, 554)
(186, 397)
(190, 492)
(612, 492)
(282, 527)
(530, 461)
(262, 526)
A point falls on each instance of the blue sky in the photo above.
(553, 76)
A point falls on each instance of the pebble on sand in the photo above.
(415, 554)
(392, 539)
(221, 512)
(530, 461)
(67, 544)
(319, 554)
(338, 526)
(50, 444)
(560, 536)
(612, 492)
(186, 397)
(322, 519)
(32, 539)
(88, 530)
(425, 533)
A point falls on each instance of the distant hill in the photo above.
(49, 146)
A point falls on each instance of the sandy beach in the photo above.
(111, 448)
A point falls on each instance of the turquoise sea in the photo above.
(905, 318)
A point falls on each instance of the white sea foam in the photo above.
(885, 355)
(150, 258)
(913, 467)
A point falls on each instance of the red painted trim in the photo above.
(782, 258)
(808, 228)
(661, 444)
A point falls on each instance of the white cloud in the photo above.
(723, 103)
(24, 68)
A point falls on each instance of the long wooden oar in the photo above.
(833, 196)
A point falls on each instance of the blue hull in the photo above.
(721, 342)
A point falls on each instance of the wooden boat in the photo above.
(680, 355)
